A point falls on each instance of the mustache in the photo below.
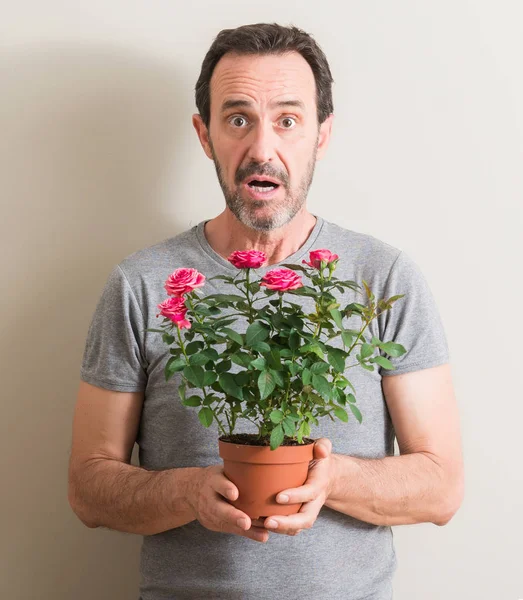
(257, 170)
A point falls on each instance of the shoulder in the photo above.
(160, 257)
(363, 251)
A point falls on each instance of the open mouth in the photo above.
(262, 186)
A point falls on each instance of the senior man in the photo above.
(265, 116)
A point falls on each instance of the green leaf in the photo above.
(193, 347)
(233, 335)
(336, 358)
(229, 385)
(368, 367)
(340, 396)
(356, 412)
(295, 321)
(173, 365)
(383, 362)
(256, 332)
(341, 413)
(195, 375)
(259, 363)
(277, 319)
(336, 315)
(392, 349)
(342, 382)
(274, 359)
(262, 347)
(294, 340)
(199, 359)
(192, 401)
(304, 291)
(211, 399)
(306, 376)
(288, 427)
(319, 367)
(266, 384)
(295, 267)
(242, 378)
(224, 298)
(209, 378)
(347, 338)
(277, 436)
(223, 366)
(206, 416)
(312, 347)
(294, 369)
(321, 384)
(366, 350)
(351, 398)
(167, 338)
(241, 358)
(276, 416)
(201, 309)
(278, 377)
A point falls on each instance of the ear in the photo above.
(324, 136)
(203, 134)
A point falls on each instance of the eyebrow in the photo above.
(247, 104)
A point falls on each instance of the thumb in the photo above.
(322, 448)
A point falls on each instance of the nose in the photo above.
(263, 144)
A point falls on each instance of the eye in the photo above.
(237, 118)
(288, 119)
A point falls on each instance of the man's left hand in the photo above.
(313, 493)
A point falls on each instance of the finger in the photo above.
(322, 448)
(258, 534)
(227, 489)
(303, 519)
(305, 493)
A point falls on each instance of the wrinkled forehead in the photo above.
(262, 78)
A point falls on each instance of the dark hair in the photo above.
(266, 38)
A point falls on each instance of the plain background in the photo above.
(99, 159)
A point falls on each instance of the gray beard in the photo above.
(282, 211)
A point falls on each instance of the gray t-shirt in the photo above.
(340, 557)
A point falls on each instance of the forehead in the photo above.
(262, 78)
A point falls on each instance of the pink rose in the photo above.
(281, 280)
(247, 259)
(316, 256)
(183, 281)
(174, 308)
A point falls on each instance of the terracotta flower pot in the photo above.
(260, 474)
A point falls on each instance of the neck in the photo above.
(225, 234)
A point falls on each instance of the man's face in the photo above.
(253, 133)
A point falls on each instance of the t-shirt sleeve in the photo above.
(413, 321)
(114, 353)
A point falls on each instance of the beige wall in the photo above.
(98, 159)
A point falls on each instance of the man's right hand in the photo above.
(206, 498)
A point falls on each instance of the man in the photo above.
(265, 118)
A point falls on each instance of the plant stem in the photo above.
(181, 343)
(191, 306)
(249, 302)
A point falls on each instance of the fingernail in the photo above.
(283, 498)
(242, 523)
(271, 523)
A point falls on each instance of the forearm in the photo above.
(131, 499)
(395, 490)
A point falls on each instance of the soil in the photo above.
(251, 439)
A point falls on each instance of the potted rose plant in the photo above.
(287, 373)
